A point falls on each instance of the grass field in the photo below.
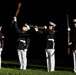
(12, 68)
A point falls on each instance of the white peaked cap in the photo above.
(27, 26)
(0, 28)
(74, 20)
(53, 24)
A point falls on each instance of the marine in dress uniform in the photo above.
(50, 47)
(23, 44)
(73, 42)
(1, 43)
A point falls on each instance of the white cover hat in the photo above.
(27, 26)
(74, 20)
(53, 24)
(0, 28)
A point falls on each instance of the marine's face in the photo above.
(24, 28)
(75, 25)
(51, 27)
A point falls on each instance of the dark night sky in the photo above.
(36, 12)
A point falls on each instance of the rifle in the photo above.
(17, 11)
(40, 27)
(68, 34)
(19, 5)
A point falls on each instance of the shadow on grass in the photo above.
(16, 65)
(35, 65)
(59, 68)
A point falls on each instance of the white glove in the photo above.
(70, 43)
(25, 49)
(1, 49)
(15, 19)
(36, 29)
(45, 27)
(69, 29)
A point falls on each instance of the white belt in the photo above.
(51, 40)
(22, 41)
